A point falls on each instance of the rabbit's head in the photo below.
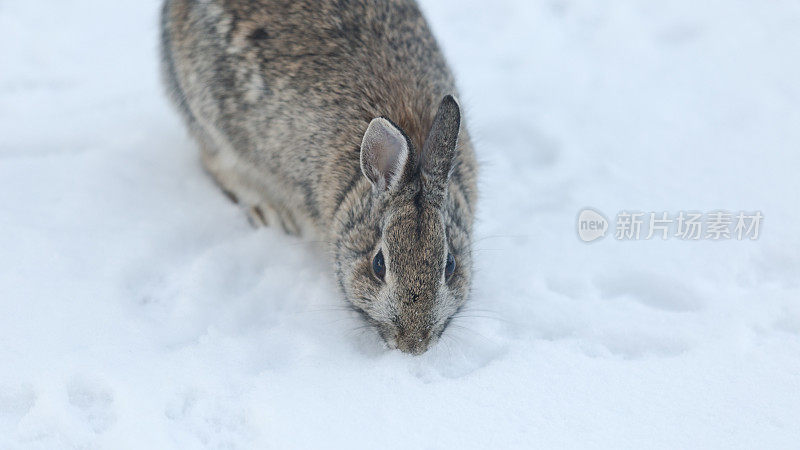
(404, 258)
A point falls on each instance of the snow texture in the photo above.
(138, 309)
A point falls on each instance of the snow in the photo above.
(138, 309)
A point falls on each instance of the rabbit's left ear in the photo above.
(385, 152)
(438, 153)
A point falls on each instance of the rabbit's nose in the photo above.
(414, 343)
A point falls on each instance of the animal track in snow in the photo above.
(680, 34)
(637, 345)
(95, 404)
(779, 265)
(650, 289)
(209, 420)
(15, 403)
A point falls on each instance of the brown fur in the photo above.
(279, 95)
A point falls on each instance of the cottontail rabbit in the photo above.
(336, 120)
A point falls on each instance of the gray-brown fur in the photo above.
(279, 95)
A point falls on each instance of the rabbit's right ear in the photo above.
(385, 151)
(439, 150)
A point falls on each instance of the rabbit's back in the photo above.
(284, 90)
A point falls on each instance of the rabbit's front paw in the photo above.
(265, 214)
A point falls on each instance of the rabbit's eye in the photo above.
(450, 267)
(378, 266)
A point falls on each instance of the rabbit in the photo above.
(337, 120)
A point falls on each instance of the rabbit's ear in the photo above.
(439, 150)
(385, 151)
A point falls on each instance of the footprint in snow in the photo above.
(635, 345)
(650, 289)
(94, 403)
(15, 403)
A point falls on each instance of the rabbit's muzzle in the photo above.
(415, 343)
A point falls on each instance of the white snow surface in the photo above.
(138, 308)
